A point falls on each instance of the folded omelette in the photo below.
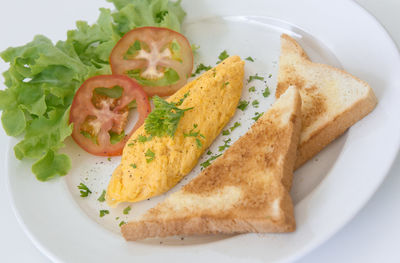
(213, 97)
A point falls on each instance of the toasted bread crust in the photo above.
(321, 136)
(259, 165)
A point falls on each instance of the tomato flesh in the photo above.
(96, 116)
(158, 58)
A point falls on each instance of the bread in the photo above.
(244, 190)
(332, 99)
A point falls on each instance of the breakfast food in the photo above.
(332, 99)
(244, 190)
(151, 165)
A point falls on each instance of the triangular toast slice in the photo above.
(244, 190)
(332, 99)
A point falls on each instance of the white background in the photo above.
(372, 236)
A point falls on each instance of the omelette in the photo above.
(151, 167)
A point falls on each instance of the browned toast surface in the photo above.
(332, 99)
(244, 190)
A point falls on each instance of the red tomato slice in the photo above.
(160, 59)
(96, 115)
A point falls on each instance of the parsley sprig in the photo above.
(196, 135)
(84, 190)
(102, 197)
(209, 161)
(165, 117)
(150, 155)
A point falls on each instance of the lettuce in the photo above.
(43, 78)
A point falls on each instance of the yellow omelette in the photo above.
(153, 167)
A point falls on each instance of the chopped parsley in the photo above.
(194, 134)
(226, 132)
(243, 105)
(208, 162)
(179, 103)
(109, 159)
(249, 59)
(222, 56)
(235, 125)
(209, 152)
(127, 210)
(252, 89)
(104, 212)
(142, 139)
(255, 77)
(226, 145)
(133, 165)
(257, 116)
(255, 103)
(201, 67)
(270, 76)
(160, 16)
(266, 92)
(122, 223)
(229, 130)
(117, 218)
(131, 144)
(225, 84)
(84, 190)
(150, 154)
(102, 197)
(164, 118)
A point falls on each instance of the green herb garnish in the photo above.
(255, 103)
(179, 103)
(252, 89)
(225, 84)
(224, 55)
(201, 67)
(150, 154)
(235, 125)
(194, 134)
(266, 92)
(126, 210)
(243, 105)
(164, 119)
(143, 139)
(209, 152)
(226, 132)
(226, 145)
(84, 190)
(257, 116)
(122, 223)
(104, 212)
(255, 77)
(109, 159)
(208, 162)
(249, 59)
(270, 76)
(102, 197)
(133, 165)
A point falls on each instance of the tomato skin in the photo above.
(82, 107)
(151, 35)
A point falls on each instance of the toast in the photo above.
(332, 99)
(244, 190)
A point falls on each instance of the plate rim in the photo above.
(299, 254)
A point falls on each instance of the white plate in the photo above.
(328, 191)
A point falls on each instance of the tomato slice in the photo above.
(96, 117)
(160, 59)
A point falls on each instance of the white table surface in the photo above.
(372, 236)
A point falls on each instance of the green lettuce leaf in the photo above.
(51, 165)
(43, 78)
